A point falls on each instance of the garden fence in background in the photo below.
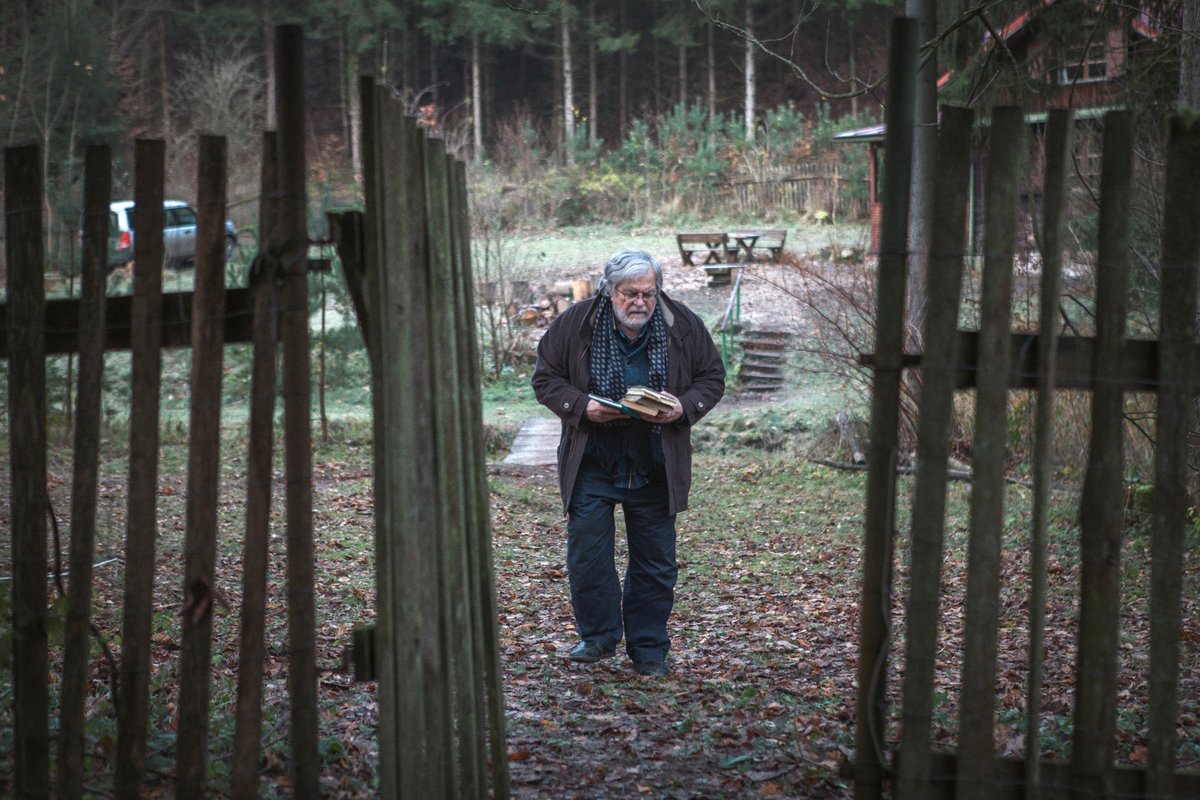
(810, 189)
(995, 360)
(441, 728)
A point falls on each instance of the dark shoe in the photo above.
(588, 653)
(651, 668)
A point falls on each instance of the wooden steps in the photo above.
(764, 360)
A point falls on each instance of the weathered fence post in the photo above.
(880, 511)
(989, 447)
(1176, 394)
(25, 254)
(247, 742)
(480, 567)
(438, 664)
(204, 473)
(938, 361)
(1057, 154)
(133, 702)
(291, 247)
(1101, 505)
(97, 192)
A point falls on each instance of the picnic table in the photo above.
(717, 247)
(709, 244)
(742, 242)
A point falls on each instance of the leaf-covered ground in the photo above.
(761, 692)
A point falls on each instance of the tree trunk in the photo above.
(749, 71)
(712, 70)
(623, 78)
(353, 111)
(853, 70)
(682, 50)
(476, 100)
(593, 111)
(568, 88)
(924, 147)
(269, 62)
(164, 79)
(1189, 56)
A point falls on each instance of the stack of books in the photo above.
(639, 401)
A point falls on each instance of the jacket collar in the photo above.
(668, 311)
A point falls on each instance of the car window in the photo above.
(180, 217)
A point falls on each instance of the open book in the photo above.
(639, 401)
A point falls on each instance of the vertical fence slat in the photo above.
(133, 705)
(480, 568)
(938, 365)
(1177, 336)
(1057, 153)
(1101, 506)
(292, 247)
(247, 741)
(398, 299)
(879, 514)
(204, 473)
(374, 293)
(457, 689)
(27, 417)
(97, 192)
(423, 553)
(1007, 142)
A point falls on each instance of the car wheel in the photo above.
(230, 248)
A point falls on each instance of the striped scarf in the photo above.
(606, 378)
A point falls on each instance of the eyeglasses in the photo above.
(646, 297)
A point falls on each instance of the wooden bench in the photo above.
(710, 244)
(771, 240)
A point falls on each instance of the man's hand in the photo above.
(601, 413)
(666, 419)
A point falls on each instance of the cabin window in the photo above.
(1084, 65)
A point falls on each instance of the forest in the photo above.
(492, 77)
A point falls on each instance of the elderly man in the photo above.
(630, 334)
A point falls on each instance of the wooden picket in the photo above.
(441, 730)
(441, 703)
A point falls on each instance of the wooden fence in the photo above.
(441, 708)
(1108, 365)
(816, 191)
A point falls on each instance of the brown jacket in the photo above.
(695, 375)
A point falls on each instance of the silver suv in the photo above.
(179, 234)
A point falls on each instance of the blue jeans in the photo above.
(649, 594)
